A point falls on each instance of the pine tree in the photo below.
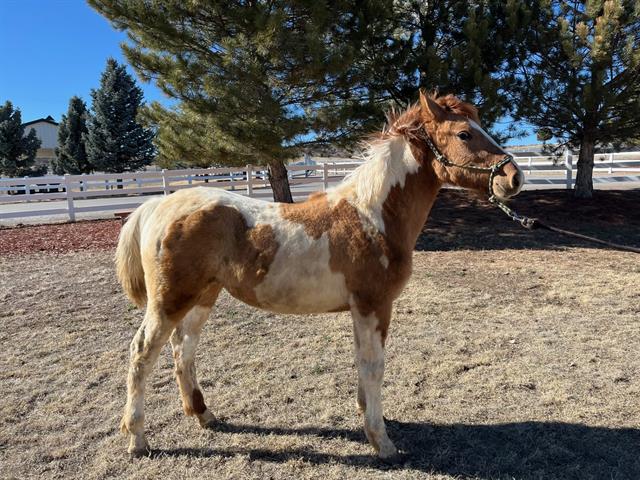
(259, 81)
(17, 150)
(183, 139)
(116, 141)
(71, 153)
(450, 46)
(578, 78)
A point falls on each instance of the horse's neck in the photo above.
(394, 189)
(407, 207)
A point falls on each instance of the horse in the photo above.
(348, 248)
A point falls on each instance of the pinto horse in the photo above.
(347, 249)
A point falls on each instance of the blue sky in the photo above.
(54, 49)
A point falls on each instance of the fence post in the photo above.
(27, 189)
(69, 194)
(568, 165)
(529, 165)
(611, 163)
(165, 183)
(250, 180)
(325, 176)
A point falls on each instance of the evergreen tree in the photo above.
(116, 141)
(17, 150)
(71, 153)
(183, 139)
(450, 46)
(578, 78)
(259, 81)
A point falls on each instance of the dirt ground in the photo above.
(511, 355)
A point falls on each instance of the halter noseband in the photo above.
(493, 170)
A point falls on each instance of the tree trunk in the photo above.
(279, 180)
(584, 177)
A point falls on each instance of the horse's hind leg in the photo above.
(145, 347)
(184, 342)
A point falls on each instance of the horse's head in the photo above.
(453, 127)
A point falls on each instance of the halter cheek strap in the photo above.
(493, 171)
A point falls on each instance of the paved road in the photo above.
(129, 203)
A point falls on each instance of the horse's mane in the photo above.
(387, 154)
(409, 121)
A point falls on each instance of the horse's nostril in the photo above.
(515, 181)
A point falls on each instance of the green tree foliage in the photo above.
(71, 153)
(260, 81)
(183, 138)
(17, 150)
(457, 47)
(578, 77)
(116, 141)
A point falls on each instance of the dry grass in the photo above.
(501, 364)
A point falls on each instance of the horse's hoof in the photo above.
(207, 420)
(139, 447)
(139, 452)
(209, 424)
(390, 457)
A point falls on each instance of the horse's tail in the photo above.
(129, 256)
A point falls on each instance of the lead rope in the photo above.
(527, 222)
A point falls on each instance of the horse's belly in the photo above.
(303, 295)
(302, 282)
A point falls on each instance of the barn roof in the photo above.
(48, 119)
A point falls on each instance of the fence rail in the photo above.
(249, 180)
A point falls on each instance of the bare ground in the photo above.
(502, 363)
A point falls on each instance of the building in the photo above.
(47, 131)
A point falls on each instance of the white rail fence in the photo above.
(53, 191)
(64, 195)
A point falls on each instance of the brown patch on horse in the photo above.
(349, 244)
(209, 248)
(371, 283)
(197, 399)
(314, 214)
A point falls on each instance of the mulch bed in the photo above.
(459, 220)
(60, 237)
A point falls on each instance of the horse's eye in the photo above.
(464, 135)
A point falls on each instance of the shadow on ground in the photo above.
(462, 221)
(527, 450)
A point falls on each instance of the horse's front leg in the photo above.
(369, 337)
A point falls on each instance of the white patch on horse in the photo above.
(489, 137)
(384, 261)
(387, 163)
(299, 279)
(513, 162)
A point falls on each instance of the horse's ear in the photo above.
(431, 111)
